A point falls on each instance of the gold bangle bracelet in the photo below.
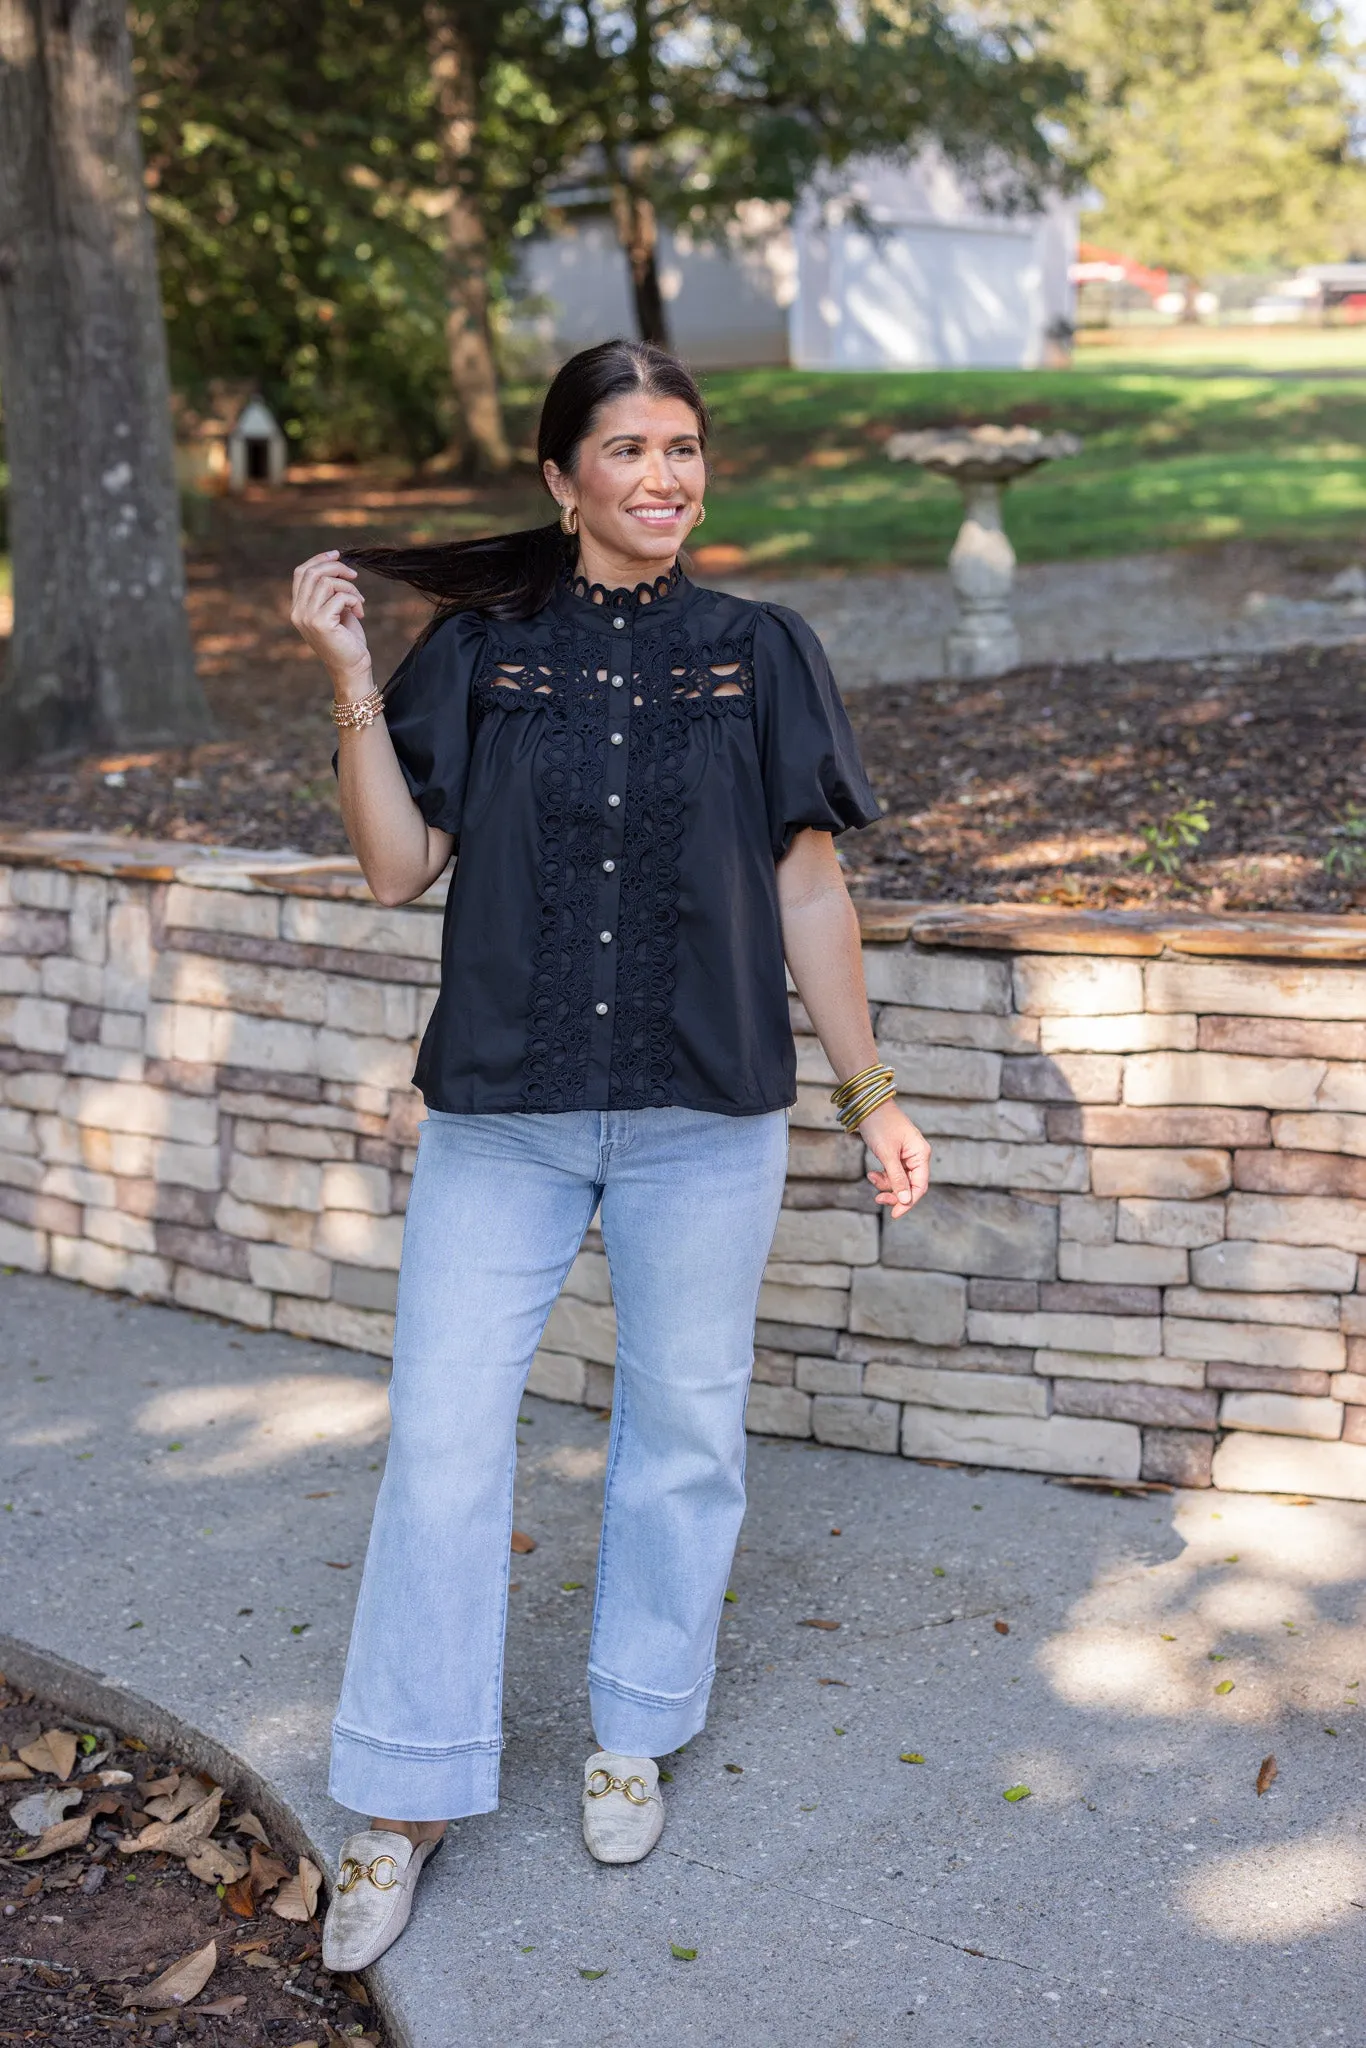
(847, 1090)
(859, 1111)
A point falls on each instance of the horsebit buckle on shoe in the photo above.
(352, 1872)
(611, 1784)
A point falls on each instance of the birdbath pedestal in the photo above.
(982, 461)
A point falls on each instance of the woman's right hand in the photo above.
(328, 611)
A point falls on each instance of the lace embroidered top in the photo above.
(621, 773)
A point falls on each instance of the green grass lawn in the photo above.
(1171, 459)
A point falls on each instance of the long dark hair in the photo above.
(511, 575)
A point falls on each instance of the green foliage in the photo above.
(295, 251)
(1346, 857)
(705, 104)
(1167, 843)
(1219, 134)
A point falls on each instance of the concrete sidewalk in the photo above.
(163, 1473)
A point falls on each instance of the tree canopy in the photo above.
(300, 172)
(1221, 133)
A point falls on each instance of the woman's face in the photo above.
(638, 482)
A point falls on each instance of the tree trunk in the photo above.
(638, 233)
(1190, 311)
(482, 441)
(101, 652)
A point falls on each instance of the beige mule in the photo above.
(372, 1897)
(623, 1813)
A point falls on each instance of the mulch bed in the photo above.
(1040, 787)
(88, 1933)
(1060, 785)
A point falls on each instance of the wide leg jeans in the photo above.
(499, 1204)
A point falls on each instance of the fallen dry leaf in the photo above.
(179, 1837)
(1267, 1775)
(42, 1810)
(157, 1788)
(217, 1863)
(354, 1989)
(266, 1872)
(298, 1896)
(247, 1824)
(172, 1804)
(105, 1779)
(178, 1984)
(12, 1772)
(1002, 1628)
(818, 1624)
(522, 1544)
(224, 2008)
(240, 1899)
(54, 1751)
(67, 1834)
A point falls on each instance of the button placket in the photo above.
(619, 661)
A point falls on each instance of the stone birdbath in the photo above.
(982, 461)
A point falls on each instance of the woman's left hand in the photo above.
(905, 1155)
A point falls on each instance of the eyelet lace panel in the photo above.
(672, 685)
(570, 772)
(719, 680)
(515, 683)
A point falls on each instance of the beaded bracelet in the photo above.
(857, 1098)
(355, 717)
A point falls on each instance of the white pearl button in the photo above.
(606, 938)
(618, 622)
(616, 739)
(613, 801)
(602, 1009)
(609, 867)
(617, 682)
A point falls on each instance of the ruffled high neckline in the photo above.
(641, 598)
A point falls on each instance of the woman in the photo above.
(644, 780)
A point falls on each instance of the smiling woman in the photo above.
(643, 780)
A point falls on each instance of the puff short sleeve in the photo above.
(428, 709)
(808, 756)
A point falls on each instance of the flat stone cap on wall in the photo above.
(982, 927)
(1044, 928)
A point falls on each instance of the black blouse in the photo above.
(621, 773)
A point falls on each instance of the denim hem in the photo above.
(401, 1781)
(636, 1723)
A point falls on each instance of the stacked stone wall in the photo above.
(1140, 1257)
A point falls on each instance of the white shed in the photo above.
(935, 279)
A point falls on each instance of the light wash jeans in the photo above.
(499, 1204)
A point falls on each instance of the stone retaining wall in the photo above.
(1139, 1258)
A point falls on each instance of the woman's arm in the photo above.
(400, 854)
(821, 941)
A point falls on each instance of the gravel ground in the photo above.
(1039, 787)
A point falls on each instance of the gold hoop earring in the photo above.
(569, 519)
(701, 515)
